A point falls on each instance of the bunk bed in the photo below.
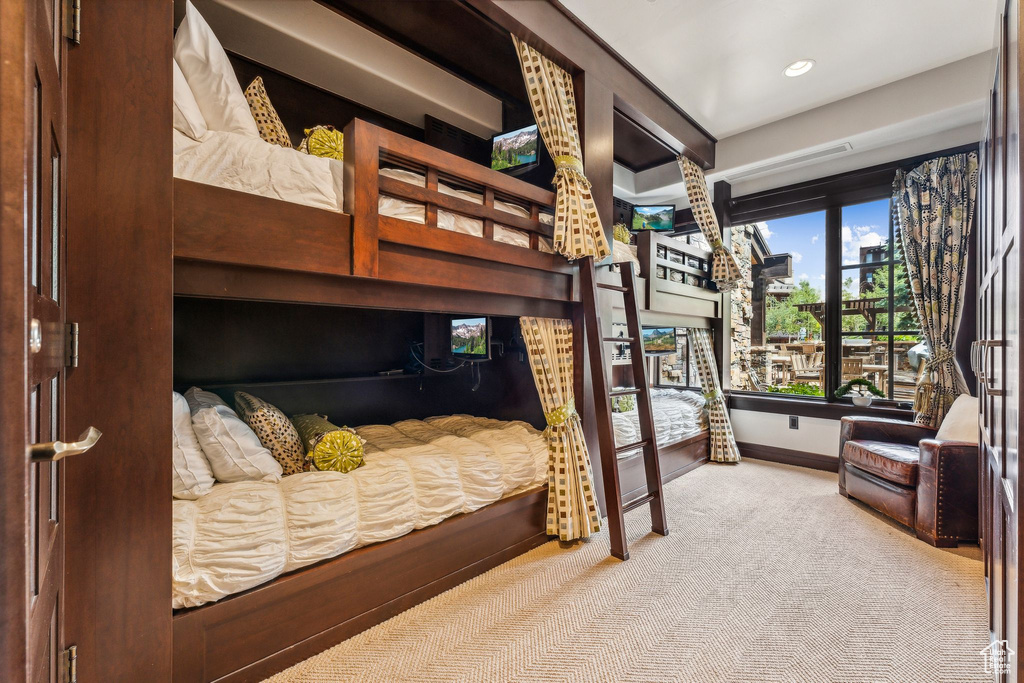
(396, 225)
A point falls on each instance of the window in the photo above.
(677, 369)
(881, 338)
(794, 262)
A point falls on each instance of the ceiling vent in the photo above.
(791, 161)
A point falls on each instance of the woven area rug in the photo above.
(768, 575)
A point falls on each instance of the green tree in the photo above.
(782, 316)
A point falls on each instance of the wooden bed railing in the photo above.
(369, 147)
(659, 255)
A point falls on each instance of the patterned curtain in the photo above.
(724, 269)
(933, 206)
(723, 443)
(578, 230)
(572, 510)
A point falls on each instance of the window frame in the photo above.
(830, 194)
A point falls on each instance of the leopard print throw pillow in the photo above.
(268, 123)
(275, 431)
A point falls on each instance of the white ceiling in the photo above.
(722, 60)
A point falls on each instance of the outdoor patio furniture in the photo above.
(853, 368)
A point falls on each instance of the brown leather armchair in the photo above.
(901, 470)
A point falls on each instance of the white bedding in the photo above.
(678, 414)
(248, 164)
(417, 473)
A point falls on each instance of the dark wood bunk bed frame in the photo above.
(294, 253)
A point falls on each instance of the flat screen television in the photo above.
(515, 151)
(654, 217)
(659, 341)
(471, 338)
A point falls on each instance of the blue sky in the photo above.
(803, 236)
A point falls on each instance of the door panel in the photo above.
(32, 340)
(999, 275)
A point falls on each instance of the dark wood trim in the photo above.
(119, 290)
(814, 461)
(810, 407)
(251, 635)
(851, 187)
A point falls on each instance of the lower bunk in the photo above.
(251, 635)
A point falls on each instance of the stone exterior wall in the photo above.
(742, 309)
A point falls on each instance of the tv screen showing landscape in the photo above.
(659, 340)
(654, 217)
(515, 149)
(469, 337)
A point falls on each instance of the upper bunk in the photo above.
(412, 217)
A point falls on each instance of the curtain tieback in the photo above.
(943, 355)
(562, 414)
(568, 165)
(712, 396)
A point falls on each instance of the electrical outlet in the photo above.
(794, 422)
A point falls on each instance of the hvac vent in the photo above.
(791, 161)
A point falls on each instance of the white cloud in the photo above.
(822, 276)
(804, 276)
(797, 256)
(814, 240)
(765, 232)
(856, 237)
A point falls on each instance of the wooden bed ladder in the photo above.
(597, 341)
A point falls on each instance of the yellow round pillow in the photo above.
(329, 447)
(324, 141)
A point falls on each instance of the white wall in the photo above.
(815, 435)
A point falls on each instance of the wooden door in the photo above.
(997, 352)
(34, 341)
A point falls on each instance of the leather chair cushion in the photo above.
(891, 461)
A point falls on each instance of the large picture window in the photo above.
(787, 341)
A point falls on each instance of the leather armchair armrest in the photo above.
(947, 491)
(883, 429)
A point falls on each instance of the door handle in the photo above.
(53, 451)
(988, 383)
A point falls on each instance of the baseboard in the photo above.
(814, 461)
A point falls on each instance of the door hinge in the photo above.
(71, 345)
(69, 665)
(73, 20)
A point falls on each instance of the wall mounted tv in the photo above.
(471, 338)
(515, 151)
(655, 217)
(659, 341)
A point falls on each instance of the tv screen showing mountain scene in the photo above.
(510, 150)
(654, 217)
(660, 339)
(469, 337)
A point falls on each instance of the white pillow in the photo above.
(961, 422)
(187, 117)
(192, 475)
(233, 449)
(210, 76)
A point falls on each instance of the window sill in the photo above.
(813, 407)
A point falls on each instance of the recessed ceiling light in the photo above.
(799, 67)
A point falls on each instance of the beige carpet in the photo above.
(769, 575)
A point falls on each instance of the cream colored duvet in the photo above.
(417, 473)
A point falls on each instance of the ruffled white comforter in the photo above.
(678, 414)
(417, 473)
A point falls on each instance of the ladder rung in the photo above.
(619, 340)
(625, 392)
(642, 500)
(614, 288)
(631, 446)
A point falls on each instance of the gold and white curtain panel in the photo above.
(572, 506)
(578, 230)
(723, 443)
(725, 271)
(934, 209)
